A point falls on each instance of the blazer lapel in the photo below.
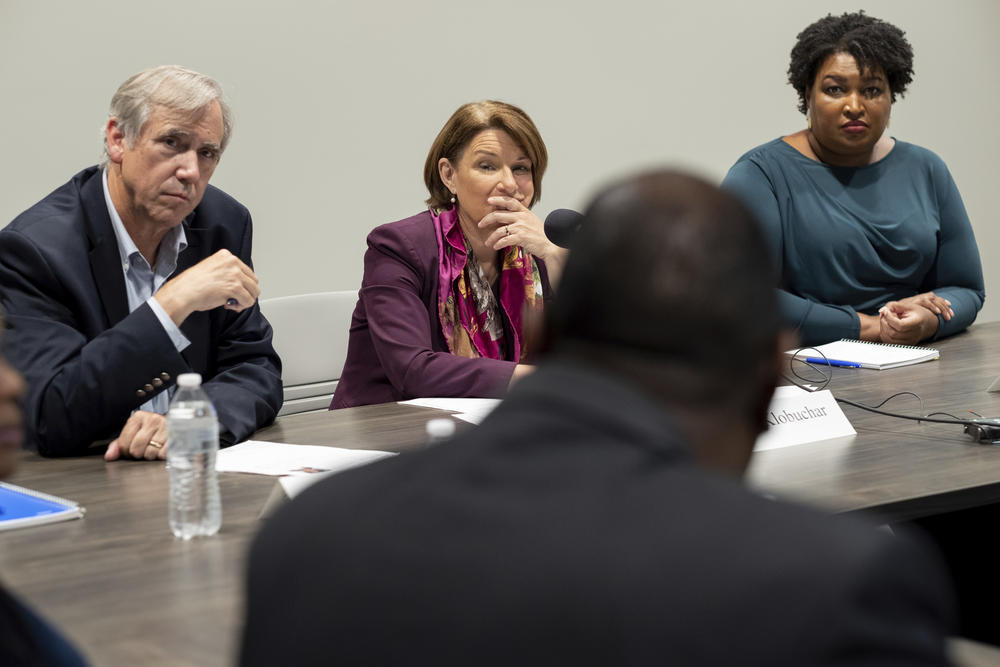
(105, 260)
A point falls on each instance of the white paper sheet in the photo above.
(787, 392)
(293, 485)
(273, 458)
(472, 410)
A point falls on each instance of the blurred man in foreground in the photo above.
(597, 516)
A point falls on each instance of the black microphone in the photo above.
(561, 226)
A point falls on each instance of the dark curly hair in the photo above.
(873, 43)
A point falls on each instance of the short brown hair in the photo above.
(468, 121)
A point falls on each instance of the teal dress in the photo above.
(849, 239)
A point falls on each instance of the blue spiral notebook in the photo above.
(21, 507)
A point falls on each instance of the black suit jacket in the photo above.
(86, 358)
(572, 527)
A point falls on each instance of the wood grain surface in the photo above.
(128, 593)
(901, 469)
(121, 586)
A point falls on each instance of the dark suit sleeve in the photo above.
(79, 390)
(899, 610)
(401, 327)
(245, 387)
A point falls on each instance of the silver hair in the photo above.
(170, 86)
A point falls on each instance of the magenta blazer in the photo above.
(396, 350)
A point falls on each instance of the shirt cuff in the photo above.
(179, 340)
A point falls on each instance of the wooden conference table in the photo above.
(896, 468)
(128, 593)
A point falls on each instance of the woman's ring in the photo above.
(154, 444)
(507, 230)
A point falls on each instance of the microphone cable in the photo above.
(988, 429)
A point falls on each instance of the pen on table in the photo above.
(833, 362)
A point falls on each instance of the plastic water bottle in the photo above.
(193, 442)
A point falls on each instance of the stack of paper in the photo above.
(275, 458)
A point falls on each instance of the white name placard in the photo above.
(795, 417)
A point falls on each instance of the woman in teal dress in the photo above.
(869, 234)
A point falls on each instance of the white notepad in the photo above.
(862, 354)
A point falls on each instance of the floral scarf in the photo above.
(465, 319)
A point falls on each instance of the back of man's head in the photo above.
(669, 285)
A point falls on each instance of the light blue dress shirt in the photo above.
(142, 281)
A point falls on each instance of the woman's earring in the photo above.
(453, 198)
(809, 120)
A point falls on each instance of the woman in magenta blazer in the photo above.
(447, 293)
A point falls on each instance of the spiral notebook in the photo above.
(21, 507)
(862, 354)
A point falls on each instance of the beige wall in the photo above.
(337, 102)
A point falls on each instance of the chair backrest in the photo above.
(310, 336)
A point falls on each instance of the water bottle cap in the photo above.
(438, 429)
(189, 380)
